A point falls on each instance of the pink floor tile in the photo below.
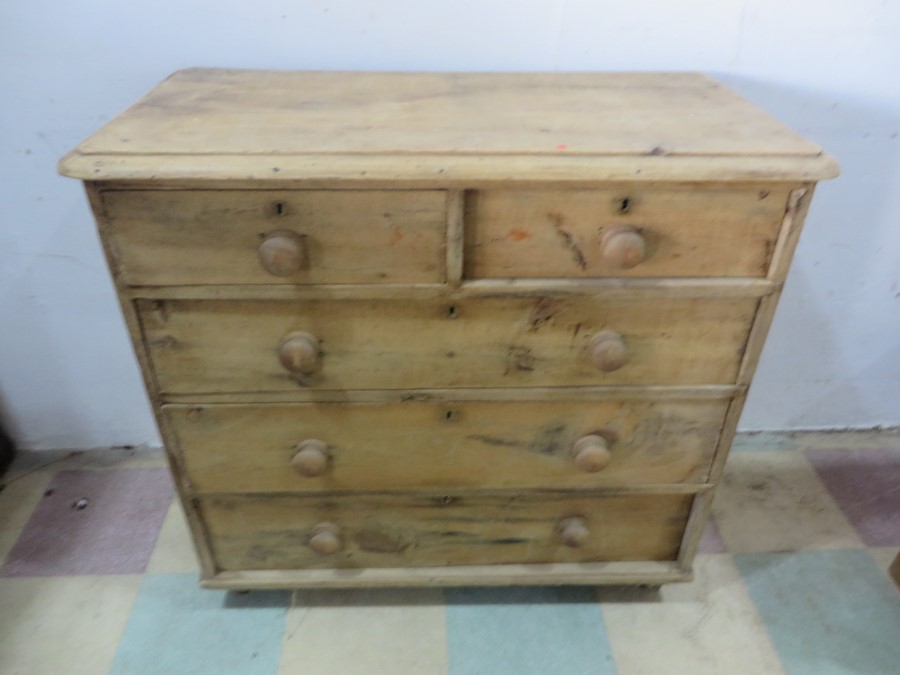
(866, 486)
(93, 522)
(711, 541)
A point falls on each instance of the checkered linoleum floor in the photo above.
(791, 578)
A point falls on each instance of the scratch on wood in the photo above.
(494, 440)
(417, 396)
(576, 329)
(568, 240)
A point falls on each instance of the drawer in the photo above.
(627, 230)
(250, 532)
(169, 237)
(204, 346)
(472, 444)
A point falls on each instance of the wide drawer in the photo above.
(669, 231)
(168, 237)
(203, 346)
(250, 532)
(472, 444)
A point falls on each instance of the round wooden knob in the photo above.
(325, 539)
(573, 532)
(299, 352)
(623, 248)
(591, 453)
(608, 350)
(283, 253)
(311, 458)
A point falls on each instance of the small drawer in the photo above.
(203, 346)
(317, 447)
(174, 237)
(625, 230)
(253, 532)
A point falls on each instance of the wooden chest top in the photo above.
(443, 127)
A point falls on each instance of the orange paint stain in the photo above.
(396, 235)
(562, 147)
(518, 234)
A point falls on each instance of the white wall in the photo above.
(830, 69)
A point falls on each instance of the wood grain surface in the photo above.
(327, 124)
(463, 444)
(221, 346)
(253, 532)
(212, 237)
(689, 230)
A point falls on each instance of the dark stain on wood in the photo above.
(519, 358)
(418, 396)
(558, 221)
(548, 441)
(494, 440)
(257, 552)
(542, 312)
(377, 541)
(767, 255)
(576, 329)
(164, 342)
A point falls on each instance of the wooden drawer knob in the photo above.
(311, 458)
(299, 352)
(325, 539)
(591, 453)
(623, 248)
(573, 532)
(283, 253)
(608, 350)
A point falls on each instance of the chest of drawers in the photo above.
(446, 329)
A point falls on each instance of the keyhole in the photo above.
(450, 415)
(625, 205)
(279, 208)
(451, 311)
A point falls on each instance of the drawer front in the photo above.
(483, 444)
(243, 346)
(250, 532)
(169, 237)
(625, 230)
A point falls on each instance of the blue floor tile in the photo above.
(827, 612)
(177, 627)
(520, 631)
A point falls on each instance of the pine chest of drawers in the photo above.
(409, 329)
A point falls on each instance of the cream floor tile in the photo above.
(707, 626)
(862, 439)
(754, 441)
(884, 556)
(27, 461)
(138, 457)
(774, 501)
(370, 632)
(17, 501)
(174, 552)
(71, 625)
